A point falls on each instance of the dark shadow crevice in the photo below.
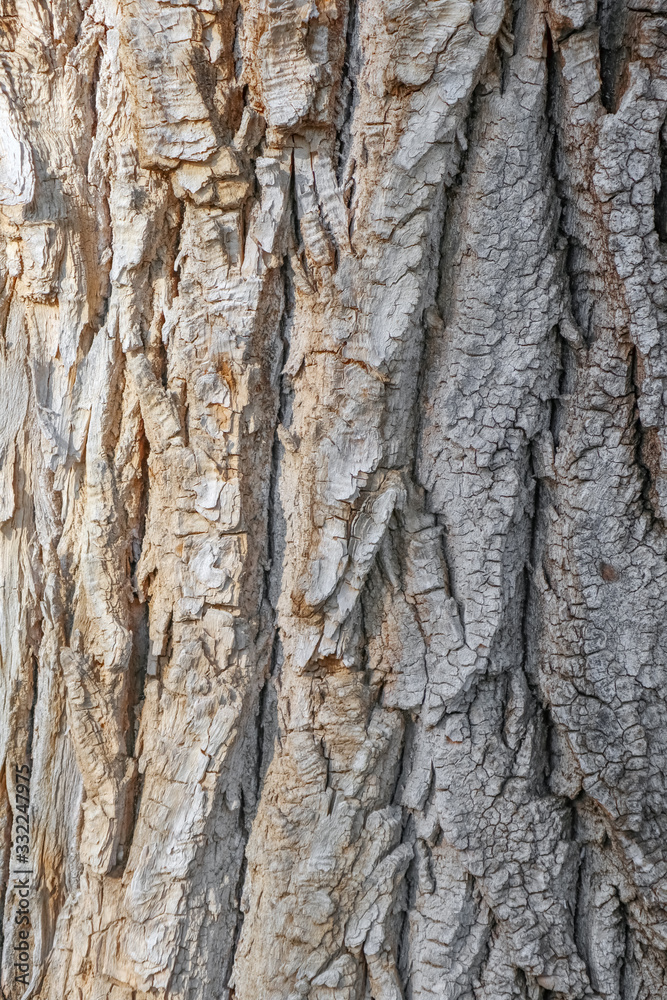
(648, 448)
(347, 95)
(612, 16)
(660, 201)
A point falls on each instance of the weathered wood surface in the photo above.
(333, 496)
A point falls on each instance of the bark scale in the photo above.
(332, 499)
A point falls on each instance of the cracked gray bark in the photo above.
(333, 486)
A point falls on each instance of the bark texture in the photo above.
(333, 487)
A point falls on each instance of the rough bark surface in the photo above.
(333, 492)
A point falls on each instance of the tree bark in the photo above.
(333, 490)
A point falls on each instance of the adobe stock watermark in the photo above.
(21, 873)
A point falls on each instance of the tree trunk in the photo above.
(333, 490)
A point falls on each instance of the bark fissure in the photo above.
(647, 447)
(661, 191)
(348, 96)
(612, 16)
